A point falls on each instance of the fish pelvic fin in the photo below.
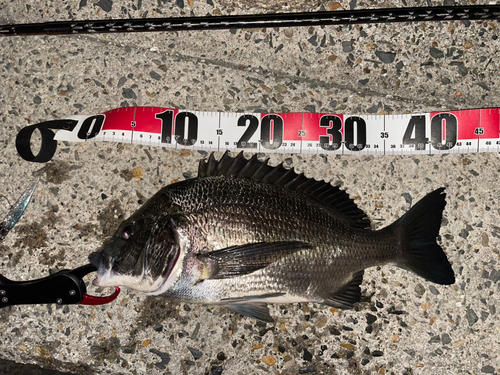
(244, 259)
(349, 295)
(418, 230)
(257, 311)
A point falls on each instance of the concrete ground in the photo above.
(404, 324)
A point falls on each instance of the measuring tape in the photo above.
(465, 131)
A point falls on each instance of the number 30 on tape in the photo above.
(475, 130)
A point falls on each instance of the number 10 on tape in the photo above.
(464, 131)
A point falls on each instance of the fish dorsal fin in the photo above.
(256, 170)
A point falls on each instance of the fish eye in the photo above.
(127, 232)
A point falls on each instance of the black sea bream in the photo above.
(243, 234)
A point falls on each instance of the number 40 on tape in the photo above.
(464, 131)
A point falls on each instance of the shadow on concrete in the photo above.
(13, 368)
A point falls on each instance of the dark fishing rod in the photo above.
(344, 17)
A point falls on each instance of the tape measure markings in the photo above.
(464, 131)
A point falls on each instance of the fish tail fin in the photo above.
(419, 228)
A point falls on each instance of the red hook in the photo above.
(94, 300)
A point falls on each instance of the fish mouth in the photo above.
(103, 263)
(142, 281)
(98, 260)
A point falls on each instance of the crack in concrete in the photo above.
(277, 75)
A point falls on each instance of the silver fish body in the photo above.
(243, 234)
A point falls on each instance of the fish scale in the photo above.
(244, 234)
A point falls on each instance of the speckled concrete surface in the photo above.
(404, 325)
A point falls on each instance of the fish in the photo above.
(244, 234)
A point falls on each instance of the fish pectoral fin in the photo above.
(349, 295)
(244, 259)
(258, 311)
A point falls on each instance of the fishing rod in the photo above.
(344, 17)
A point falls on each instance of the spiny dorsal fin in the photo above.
(260, 171)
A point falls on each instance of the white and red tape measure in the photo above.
(464, 131)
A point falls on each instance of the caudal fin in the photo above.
(419, 228)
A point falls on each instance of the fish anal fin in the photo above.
(258, 311)
(349, 295)
(244, 259)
